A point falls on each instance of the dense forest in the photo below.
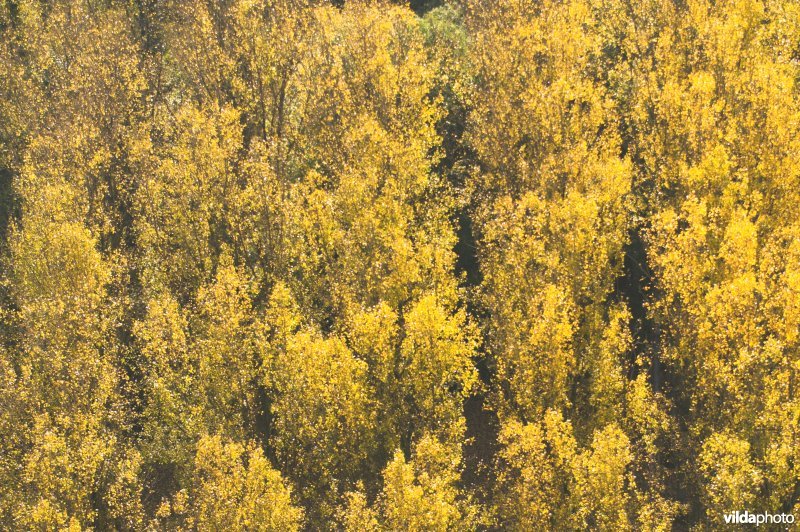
(359, 265)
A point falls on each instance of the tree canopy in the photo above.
(363, 265)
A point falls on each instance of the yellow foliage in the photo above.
(283, 264)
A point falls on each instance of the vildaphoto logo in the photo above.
(746, 518)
